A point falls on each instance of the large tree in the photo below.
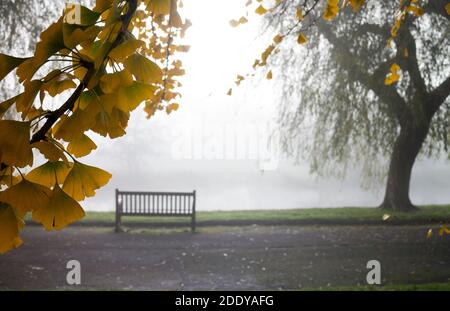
(341, 88)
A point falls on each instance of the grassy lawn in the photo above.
(426, 214)
(400, 287)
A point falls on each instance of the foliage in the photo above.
(110, 59)
(359, 65)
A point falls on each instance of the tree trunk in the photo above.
(406, 148)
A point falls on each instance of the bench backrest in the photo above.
(155, 203)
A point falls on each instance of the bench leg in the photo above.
(118, 229)
(193, 224)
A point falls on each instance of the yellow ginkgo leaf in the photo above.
(172, 107)
(356, 4)
(81, 146)
(265, 55)
(159, 7)
(4, 106)
(50, 151)
(26, 99)
(51, 41)
(447, 8)
(9, 63)
(15, 149)
(128, 98)
(9, 228)
(48, 173)
(83, 180)
(261, 10)
(7, 177)
(393, 76)
(444, 230)
(60, 211)
(143, 69)
(111, 82)
(301, 39)
(102, 5)
(277, 39)
(386, 217)
(57, 86)
(269, 75)
(299, 13)
(25, 196)
(429, 233)
(230, 92)
(331, 10)
(415, 10)
(121, 52)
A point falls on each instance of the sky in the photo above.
(217, 144)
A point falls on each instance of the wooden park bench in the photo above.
(178, 204)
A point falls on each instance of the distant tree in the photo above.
(374, 82)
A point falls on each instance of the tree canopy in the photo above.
(109, 59)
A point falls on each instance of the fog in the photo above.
(200, 146)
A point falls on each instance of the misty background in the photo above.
(187, 149)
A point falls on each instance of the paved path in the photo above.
(227, 258)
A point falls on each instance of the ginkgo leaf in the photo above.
(393, 76)
(447, 8)
(8, 64)
(230, 92)
(111, 82)
(356, 4)
(51, 41)
(9, 229)
(15, 149)
(4, 106)
(74, 35)
(57, 86)
(85, 16)
(269, 75)
(386, 217)
(121, 52)
(143, 69)
(102, 5)
(49, 173)
(128, 98)
(415, 10)
(83, 180)
(159, 7)
(109, 124)
(265, 55)
(49, 151)
(277, 39)
(299, 13)
(261, 10)
(172, 107)
(444, 230)
(7, 177)
(26, 99)
(69, 128)
(25, 196)
(429, 233)
(301, 39)
(81, 146)
(60, 211)
(331, 10)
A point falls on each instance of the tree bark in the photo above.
(406, 148)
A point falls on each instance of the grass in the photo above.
(344, 215)
(396, 287)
